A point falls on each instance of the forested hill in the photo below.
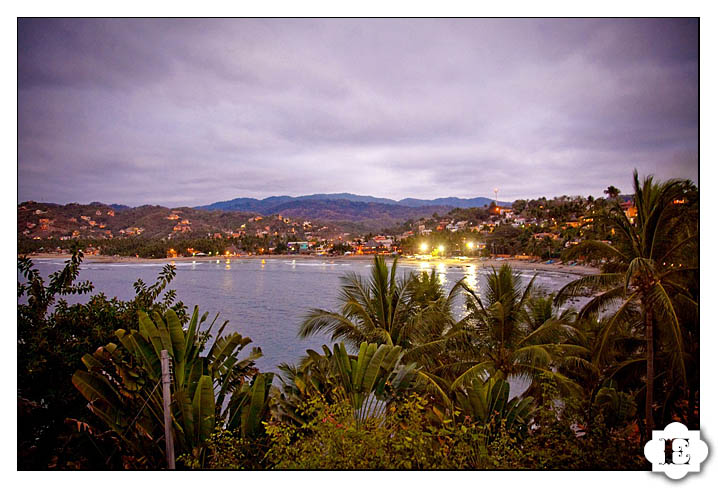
(37, 220)
(43, 220)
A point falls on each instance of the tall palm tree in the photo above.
(512, 333)
(433, 336)
(648, 269)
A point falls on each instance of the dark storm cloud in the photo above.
(193, 111)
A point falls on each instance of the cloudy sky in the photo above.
(188, 112)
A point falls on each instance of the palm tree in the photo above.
(648, 271)
(412, 312)
(373, 311)
(433, 336)
(513, 333)
(594, 366)
(612, 192)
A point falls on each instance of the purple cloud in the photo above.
(187, 112)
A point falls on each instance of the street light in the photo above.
(441, 248)
(423, 247)
(470, 245)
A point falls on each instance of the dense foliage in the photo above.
(160, 247)
(54, 426)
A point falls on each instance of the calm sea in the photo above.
(266, 299)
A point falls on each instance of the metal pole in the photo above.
(166, 400)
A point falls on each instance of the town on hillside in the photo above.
(535, 229)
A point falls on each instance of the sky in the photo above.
(193, 111)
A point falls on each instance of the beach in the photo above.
(478, 262)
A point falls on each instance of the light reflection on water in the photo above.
(267, 299)
(441, 273)
(471, 277)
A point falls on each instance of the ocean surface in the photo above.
(267, 299)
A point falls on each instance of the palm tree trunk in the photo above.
(649, 370)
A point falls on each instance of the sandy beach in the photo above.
(478, 262)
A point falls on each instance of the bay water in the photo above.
(266, 299)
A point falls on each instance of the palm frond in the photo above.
(660, 297)
(473, 372)
(434, 385)
(620, 315)
(678, 247)
(601, 302)
(594, 248)
(587, 285)
(339, 326)
(552, 331)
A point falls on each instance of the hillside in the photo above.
(101, 221)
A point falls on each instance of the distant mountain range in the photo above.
(274, 205)
(371, 212)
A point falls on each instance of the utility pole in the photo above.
(166, 400)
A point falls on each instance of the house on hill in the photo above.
(382, 242)
(298, 246)
(630, 210)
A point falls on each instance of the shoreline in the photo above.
(485, 263)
